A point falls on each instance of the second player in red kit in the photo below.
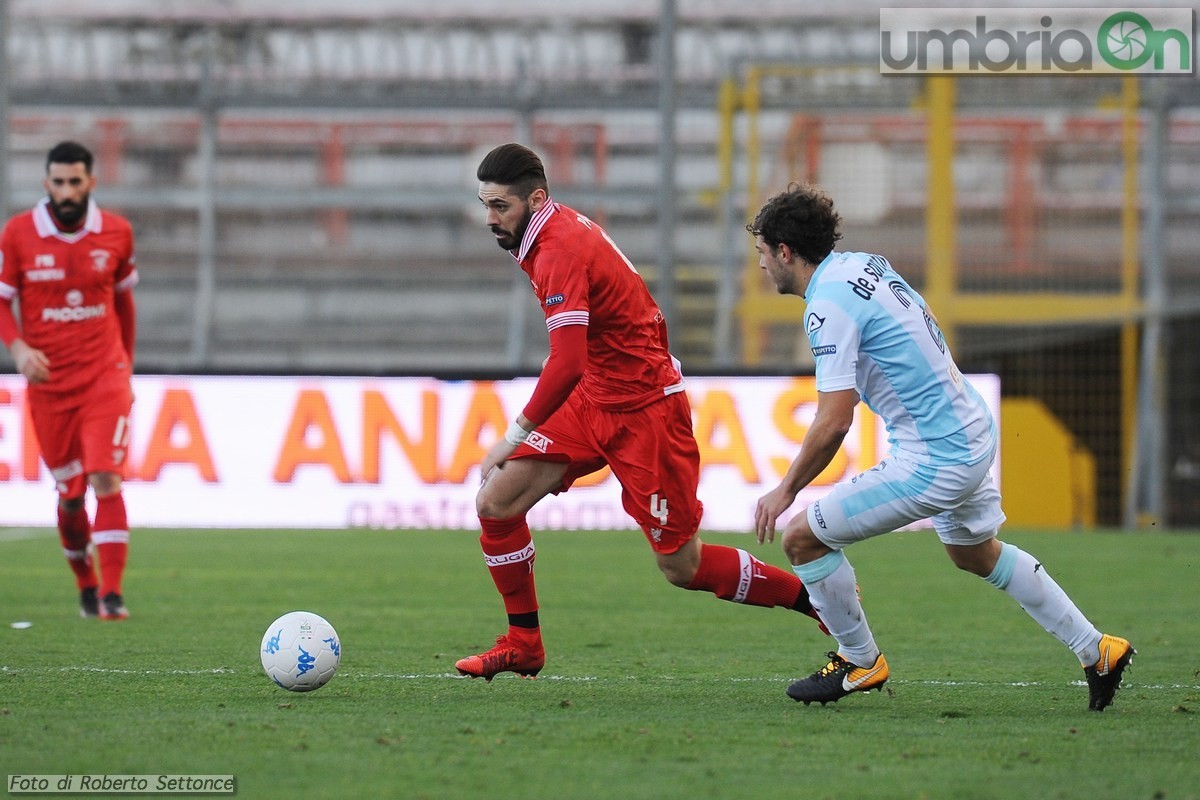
(71, 266)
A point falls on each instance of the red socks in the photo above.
(111, 536)
(509, 553)
(735, 575)
(74, 532)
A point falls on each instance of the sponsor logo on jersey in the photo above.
(73, 314)
(539, 441)
(813, 323)
(825, 350)
(39, 275)
(44, 260)
(555, 299)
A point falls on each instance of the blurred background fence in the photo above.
(301, 183)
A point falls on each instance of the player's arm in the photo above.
(126, 312)
(562, 371)
(835, 414)
(30, 362)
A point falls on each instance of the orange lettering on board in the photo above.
(594, 478)
(31, 453)
(378, 418)
(717, 411)
(177, 415)
(311, 412)
(485, 412)
(868, 440)
(787, 407)
(5, 470)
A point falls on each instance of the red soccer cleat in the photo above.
(507, 656)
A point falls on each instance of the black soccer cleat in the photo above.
(112, 607)
(89, 603)
(837, 679)
(1104, 677)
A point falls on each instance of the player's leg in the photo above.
(733, 574)
(886, 497)
(502, 503)
(57, 434)
(104, 434)
(548, 462)
(857, 665)
(74, 531)
(654, 456)
(111, 539)
(968, 534)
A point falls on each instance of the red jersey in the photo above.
(582, 278)
(66, 283)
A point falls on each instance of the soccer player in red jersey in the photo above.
(71, 266)
(609, 393)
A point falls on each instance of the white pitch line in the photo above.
(398, 676)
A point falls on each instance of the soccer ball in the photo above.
(301, 651)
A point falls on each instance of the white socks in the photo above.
(834, 595)
(1020, 576)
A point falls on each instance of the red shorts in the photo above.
(652, 452)
(88, 434)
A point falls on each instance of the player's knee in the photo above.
(489, 506)
(70, 505)
(679, 568)
(978, 559)
(677, 574)
(799, 544)
(104, 484)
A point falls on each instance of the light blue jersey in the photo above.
(870, 331)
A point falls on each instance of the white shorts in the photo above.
(962, 501)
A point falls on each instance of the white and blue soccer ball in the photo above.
(301, 651)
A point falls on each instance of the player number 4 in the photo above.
(658, 508)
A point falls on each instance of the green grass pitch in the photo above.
(648, 691)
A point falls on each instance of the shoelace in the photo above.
(836, 662)
(500, 656)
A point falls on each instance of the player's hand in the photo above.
(30, 362)
(768, 509)
(495, 458)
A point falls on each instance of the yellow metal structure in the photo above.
(760, 307)
(1048, 480)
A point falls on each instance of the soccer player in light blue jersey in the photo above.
(873, 338)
